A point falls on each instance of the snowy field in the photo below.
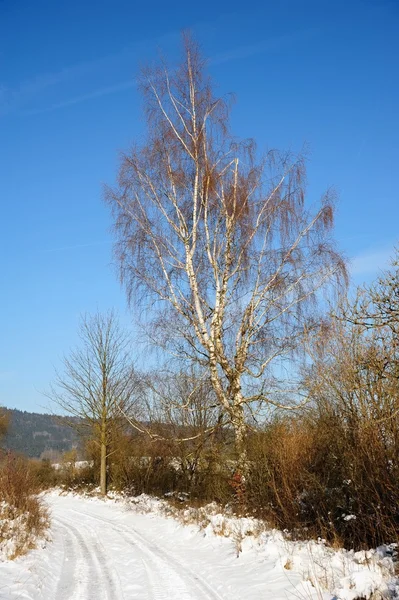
(112, 549)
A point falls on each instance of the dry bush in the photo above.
(122, 461)
(4, 422)
(23, 517)
(281, 457)
(332, 470)
(44, 474)
(149, 467)
(139, 464)
(168, 466)
(213, 480)
(75, 477)
(358, 390)
(17, 484)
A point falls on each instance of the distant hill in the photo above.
(37, 435)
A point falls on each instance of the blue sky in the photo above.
(321, 73)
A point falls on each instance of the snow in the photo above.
(77, 464)
(121, 548)
(16, 536)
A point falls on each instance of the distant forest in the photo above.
(39, 435)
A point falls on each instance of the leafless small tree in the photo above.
(190, 415)
(373, 317)
(222, 250)
(98, 381)
(377, 306)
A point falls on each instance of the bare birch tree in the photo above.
(98, 381)
(222, 250)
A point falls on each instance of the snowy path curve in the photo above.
(85, 572)
(104, 550)
(95, 575)
(167, 576)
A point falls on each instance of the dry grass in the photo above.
(316, 476)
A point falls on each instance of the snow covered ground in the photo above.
(122, 550)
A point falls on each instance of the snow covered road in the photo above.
(104, 551)
(105, 560)
(107, 550)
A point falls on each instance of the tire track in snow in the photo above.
(163, 583)
(164, 565)
(69, 584)
(87, 579)
(159, 556)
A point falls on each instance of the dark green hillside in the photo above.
(37, 435)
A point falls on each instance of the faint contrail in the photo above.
(74, 246)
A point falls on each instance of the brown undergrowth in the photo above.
(23, 517)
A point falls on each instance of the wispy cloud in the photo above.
(268, 45)
(84, 74)
(105, 91)
(11, 98)
(76, 246)
(371, 263)
(22, 98)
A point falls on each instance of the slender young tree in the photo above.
(98, 382)
(222, 250)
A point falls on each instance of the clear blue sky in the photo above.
(320, 72)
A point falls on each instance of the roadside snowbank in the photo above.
(347, 575)
(17, 535)
(325, 573)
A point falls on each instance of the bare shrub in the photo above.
(23, 517)
(358, 390)
(44, 474)
(281, 456)
(330, 472)
(4, 422)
